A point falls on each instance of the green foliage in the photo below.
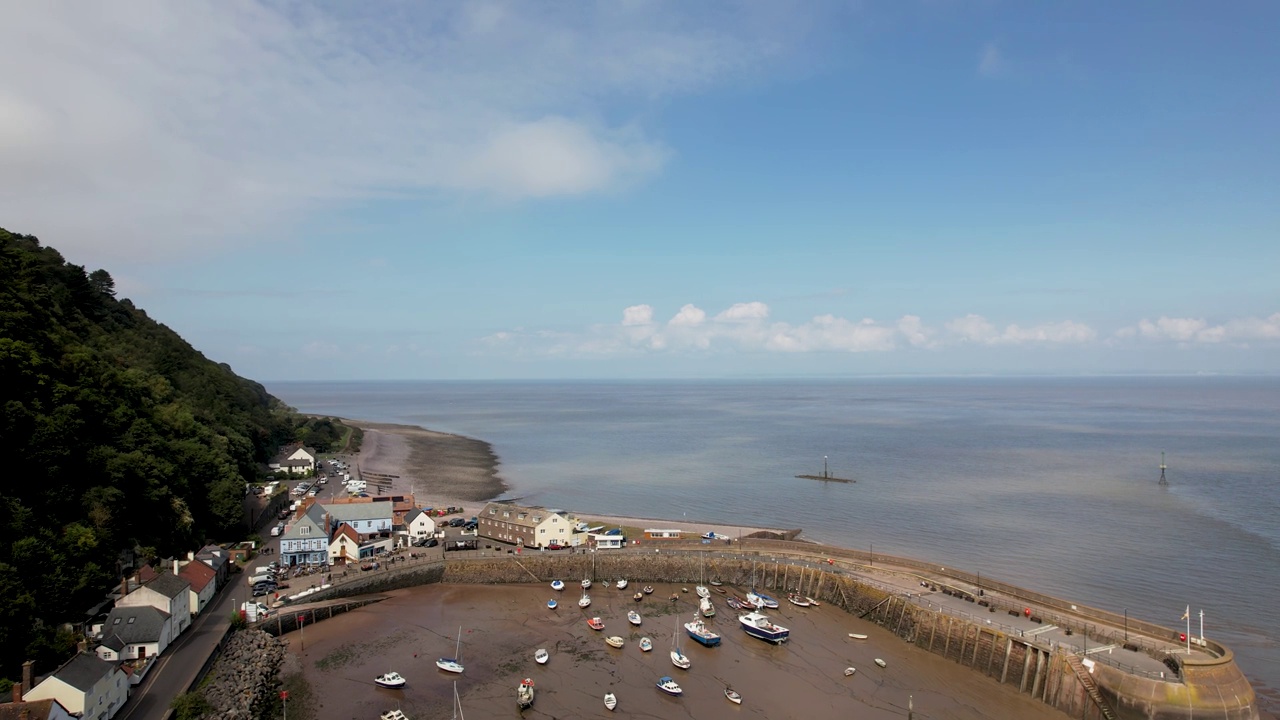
(324, 435)
(190, 706)
(118, 435)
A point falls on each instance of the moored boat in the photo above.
(798, 600)
(761, 601)
(645, 644)
(614, 641)
(733, 696)
(542, 656)
(391, 680)
(595, 623)
(622, 584)
(396, 714)
(524, 693)
(699, 631)
(849, 671)
(648, 590)
(585, 600)
(610, 701)
(669, 686)
(716, 583)
(586, 583)
(720, 590)
(708, 609)
(633, 617)
(452, 664)
(734, 603)
(858, 636)
(557, 585)
(552, 604)
(881, 663)
(638, 596)
(758, 625)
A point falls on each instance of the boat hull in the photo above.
(704, 640)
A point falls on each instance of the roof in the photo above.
(83, 671)
(518, 514)
(348, 512)
(168, 585)
(348, 531)
(146, 573)
(311, 520)
(137, 624)
(32, 710)
(113, 642)
(198, 574)
(412, 515)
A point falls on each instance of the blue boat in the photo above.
(702, 634)
(758, 625)
(668, 686)
(552, 603)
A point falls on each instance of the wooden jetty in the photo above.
(826, 475)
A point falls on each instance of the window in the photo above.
(303, 530)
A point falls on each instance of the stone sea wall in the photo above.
(244, 682)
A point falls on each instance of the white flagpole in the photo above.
(1201, 625)
(1187, 616)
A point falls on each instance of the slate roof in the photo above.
(83, 671)
(198, 574)
(113, 642)
(344, 512)
(412, 515)
(213, 556)
(139, 624)
(168, 585)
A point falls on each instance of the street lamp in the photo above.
(1126, 626)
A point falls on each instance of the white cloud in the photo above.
(637, 315)
(1200, 331)
(744, 312)
(991, 61)
(830, 333)
(689, 316)
(977, 330)
(176, 127)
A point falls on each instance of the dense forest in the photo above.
(117, 435)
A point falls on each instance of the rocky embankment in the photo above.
(245, 681)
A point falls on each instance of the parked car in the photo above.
(457, 522)
(554, 546)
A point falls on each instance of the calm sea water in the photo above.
(1047, 483)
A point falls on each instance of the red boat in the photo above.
(595, 623)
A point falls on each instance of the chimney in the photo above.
(82, 646)
(17, 693)
(191, 555)
(175, 566)
(124, 586)
(26, 676)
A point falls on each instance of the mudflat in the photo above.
(503, 625)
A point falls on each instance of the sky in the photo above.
(650, 189)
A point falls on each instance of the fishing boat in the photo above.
(699, 631)
(798, 600)
(849, 671)
(552, 604)
(678, 658)
(733, 696)
(857, 636)
(758, 625)
(881, 663)
(708, 610)
(452, 664)
(614, 641)
(648, 590)
(622, 584)
(760, 601)
(391, 680)
(396, 714)
(645, 644)
(542, 656)
(586, 583)
(610, 701)
(638, 596)
(633, 617)
(669, 686)
(524, 693)
(595, 623)
(557, 585)
(585, 600)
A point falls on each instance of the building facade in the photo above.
(524, 526)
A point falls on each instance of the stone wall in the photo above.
(244, 682)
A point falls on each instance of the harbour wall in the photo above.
(1089, 689)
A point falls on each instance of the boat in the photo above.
(614, 641)
(849, 671)
(708, 610)
(733, 696)
(391, 680)
(734, 603)
(595, 623)
(585, 600)
(881, 663)
(638, 596)
(761, 601)
(648, 590)
(758, 625)
(396, 714)
(719, 589)
(668, 686)
(451, 664)
(552, 604)
(524, 693)
(701, 589)
(622, 584)
(610, 701)
(557, 585)
(678, 658)
(716, 583)
(798, 600)
(586, 583)
(857, 636)
(633, 617)
(699, 631)
(542, 656)
(645, 644)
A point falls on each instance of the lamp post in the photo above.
(872, 555)
(1126, 626)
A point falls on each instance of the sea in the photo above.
(1048, 483)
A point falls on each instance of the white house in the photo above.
(135, 633)
(85, 685)
(527, 526)
(368, 518)
(295, 459)
(202, 586)
(306, 541)
(168, 592)
(607, 542)
(345, 545)
(418, 524)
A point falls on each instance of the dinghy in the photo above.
(733, 696)
(542, 656)
(610, 701)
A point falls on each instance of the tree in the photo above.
(101, 281)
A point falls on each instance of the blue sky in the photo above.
(662, 189)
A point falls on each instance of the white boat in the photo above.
(678, 658)
(585, 600)
(610, 701)
(394, 715)
(648, 590)
(524, 693)
(798, 600)
(633, 617)
(614, 641)
(622, 584)
(586, 583)
(668, 686)
(552, 604)
(857, 636)
(881, 663)
(645, 644)
(849, 671)
(761, 601)
(451, 664)
(733, 696)
(557, 585)
(708, 609)
(542, 656)
(758, 625)
(699, 631)
(391, 680)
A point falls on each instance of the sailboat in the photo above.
(457, 702)
(701, 589)
(678, 658)
(585, 600)
(451, 664)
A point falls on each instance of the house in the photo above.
(306, 541)
(218, 559)
(202, 589)
(294, 459)
(658, 534)
(418, 524)
(371, 518)
(345, 545)
(49, 709)
(607, 542)
(86, 686)
(167, 592)
(135, 633)
(527, 526)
